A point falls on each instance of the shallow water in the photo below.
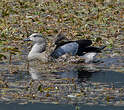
(41, 106)
(99, 85)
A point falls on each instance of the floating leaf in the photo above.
(2, 56)
(98, 39)
(40, 88)
(48, 95)
(11, 49)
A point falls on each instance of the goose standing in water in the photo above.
(80, 48)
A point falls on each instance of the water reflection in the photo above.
(82, 74)
(113, 63)
(35, 74)
(87, 82)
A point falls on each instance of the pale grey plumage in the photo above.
(38, 49)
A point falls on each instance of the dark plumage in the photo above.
(71, 47)
(93, 49)
(78, 47)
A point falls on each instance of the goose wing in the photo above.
(70, 47)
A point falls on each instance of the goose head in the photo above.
(36, 38)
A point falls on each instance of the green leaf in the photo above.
(40, 88)
(2, 56)
(98, 39)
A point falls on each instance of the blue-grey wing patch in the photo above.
(69, 48)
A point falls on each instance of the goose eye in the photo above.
(35, 36)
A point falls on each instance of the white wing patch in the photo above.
(89, 57)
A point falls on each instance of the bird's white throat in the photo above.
(37, 51)
(38, 48)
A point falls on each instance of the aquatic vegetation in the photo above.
(78, 19)
(101, 22)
